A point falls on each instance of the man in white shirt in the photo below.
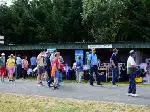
(131, 69)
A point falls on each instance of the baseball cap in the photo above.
(132, 51)
(3, 54)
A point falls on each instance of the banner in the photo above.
(79, 53)
(100, 46)
(1, 39)
(87, 55)
(51, 50)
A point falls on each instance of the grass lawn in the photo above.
(21, 103)
(104, 83)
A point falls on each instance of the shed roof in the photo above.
(75, 46)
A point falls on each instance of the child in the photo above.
(29, 72)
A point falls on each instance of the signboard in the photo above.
(100, 46)
(1, 39)
(51, 50)
(87, 55)
(79, 53)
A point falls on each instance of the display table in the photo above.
(104, 71)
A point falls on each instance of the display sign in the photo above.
(79, 53)
(1, 39)
(100, 46)
(51, 50)
(87, 55)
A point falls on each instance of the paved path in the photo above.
(78, 91)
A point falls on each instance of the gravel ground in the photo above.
(79, 91)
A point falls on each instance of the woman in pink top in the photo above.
(25, 65)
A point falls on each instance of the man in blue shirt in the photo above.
(33, 62)
(93, 61)
(79, 69)
(19, 66)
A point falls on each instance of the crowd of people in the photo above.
(50, 66)
(13, 65)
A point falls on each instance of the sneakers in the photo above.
(2, 79)
(100, 84)
(40, 84)
(11, 80)
(55, 87)
(91, 85)
(129, 94)
(114, 85)
(134, 95)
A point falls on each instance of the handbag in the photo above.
(131, 70)
(138, 79)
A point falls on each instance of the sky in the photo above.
(9, 2)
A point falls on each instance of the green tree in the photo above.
(44, 21)
(117, 20)
(136, 25)
(6, 19)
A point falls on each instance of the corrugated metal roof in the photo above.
(73, 46)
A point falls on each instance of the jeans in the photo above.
(93, 69)
(115, 74)
(79, 75)
(60, 78)
(19, 71)
(24, 73)
(132, 84)
(67, 76)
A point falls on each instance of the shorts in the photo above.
(11, 70)
(33, 66)
(40, 70)
(2, 71)
(47, 69)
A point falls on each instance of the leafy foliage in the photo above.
(46, 21)
(42, 21)
(117, 20)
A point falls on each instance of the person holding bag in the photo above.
(131, 70)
